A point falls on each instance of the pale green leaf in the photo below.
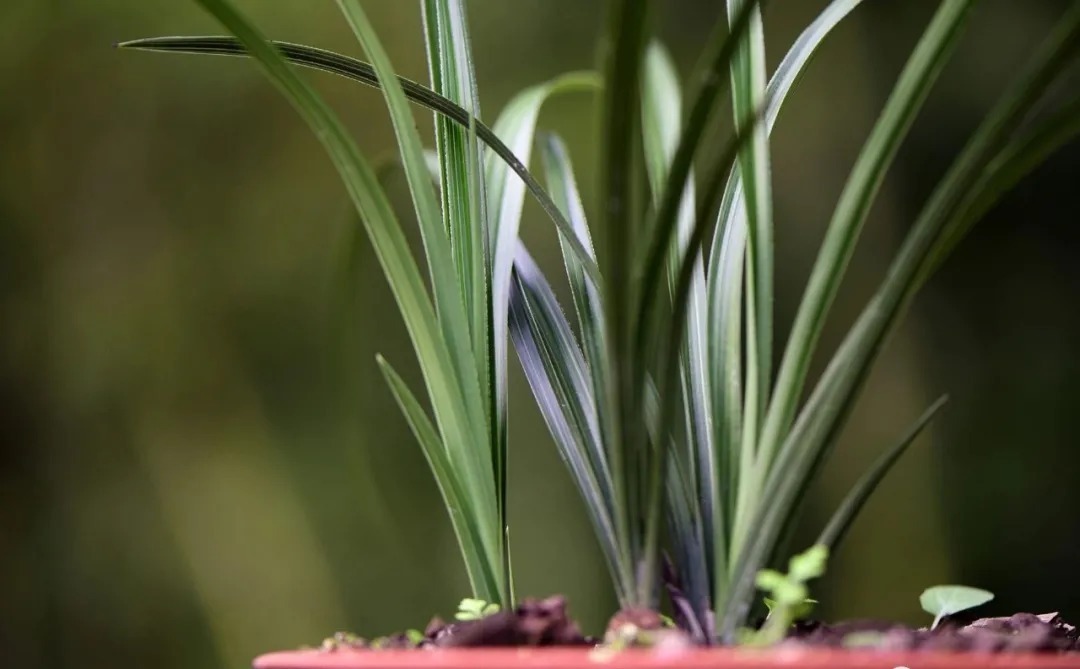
(942, 601)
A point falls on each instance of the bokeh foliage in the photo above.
(200, 460)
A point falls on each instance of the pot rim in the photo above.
(721, 658)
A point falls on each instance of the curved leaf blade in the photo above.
(473, 462)
(457, 501)
(451, 70)
(557, 374)
(359, 71)
(853, 503)
(896, 119)
(748, 82)
(833, 397)
(661, 123)
(385, 232)
(725, 272)
(784, 478)
(1018, 159)
(588, 302)
(516, 126)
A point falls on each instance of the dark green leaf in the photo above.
(795, 460)
(356, 70)
(853, 503)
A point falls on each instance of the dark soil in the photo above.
(546, 623)
(532, 623)
(1023, 632)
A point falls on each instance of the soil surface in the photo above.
(1023, 632)
(547, 623)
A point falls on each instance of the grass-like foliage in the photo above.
(663, 396)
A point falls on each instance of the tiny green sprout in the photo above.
(415, 637)
(808, 565)
(941, 601)
(475, 609)
(789, 600)
(801, 611)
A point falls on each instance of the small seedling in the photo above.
(475, 609)
(945, 600)
(789, 600)
(801, 611)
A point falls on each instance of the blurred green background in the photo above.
(200, 462)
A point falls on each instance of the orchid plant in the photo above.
(662, 394)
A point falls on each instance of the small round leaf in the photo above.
(945, 600)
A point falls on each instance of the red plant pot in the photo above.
(566, 658)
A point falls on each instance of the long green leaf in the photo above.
(648, 326)
(559, 380)
(387, 238)
(451, 71)
(725, 327)
(690, 536)
(725, 271)
(516, 126)
(661, 123)
(852, 504)
(589, 306)
(457, 500)
(651, 260)
(833, 397)
(929, 56)
(472, 460)
(623, 48)
(668, 336)
(359, 71)
(464, 204)
(864, 182)
(1022, 155)
(588, 301)
(747, 94)
(748, 89)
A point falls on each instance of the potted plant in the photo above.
(665, 402)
